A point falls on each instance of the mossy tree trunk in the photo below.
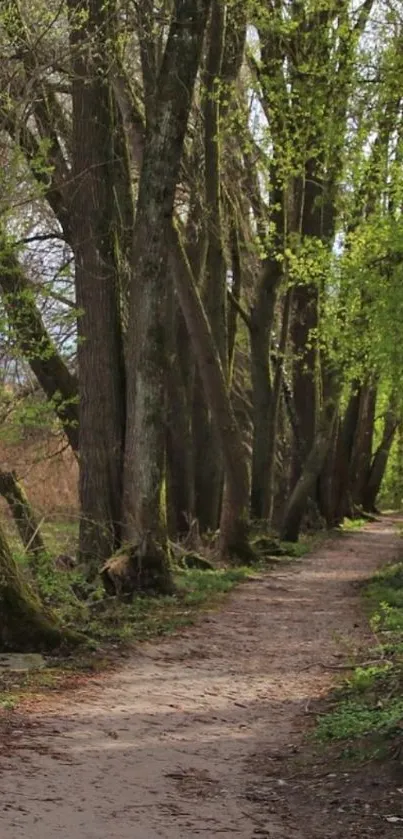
(23, 515)
(235, 511)
(380, 460)
(210, 473)
(362, 452)
(313, 465)
(58, 383)
(97, 244)
(147, 348)
(25, 625)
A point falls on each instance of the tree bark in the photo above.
(210, 465)
(25, 625)
(332, 480)
(235, 516)
(275, 406)
(379, 462)
(23, 515)
(347, 439)
(100, 346)
(180, 467)
(262, 316)
(362, 451)
(144, 473)
(297, 504)
(58, 383)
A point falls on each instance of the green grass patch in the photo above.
(296, 550)
(369, 703)
(60, 535)
(8, 701)
(147, 617)
(112, 625)
(101, 618)
(353, 524)
(355, 719)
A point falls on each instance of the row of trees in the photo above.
(218, 184)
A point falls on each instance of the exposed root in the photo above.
(143, 569)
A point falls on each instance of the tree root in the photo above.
(143, 568)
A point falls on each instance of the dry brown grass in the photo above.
(48, 472)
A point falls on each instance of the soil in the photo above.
(204, 734)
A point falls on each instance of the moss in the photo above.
(239, 547)
(144, 568)
(369, 703)
(25, 624)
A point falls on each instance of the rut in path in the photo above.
(162, 748)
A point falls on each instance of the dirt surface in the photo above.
(197, 734)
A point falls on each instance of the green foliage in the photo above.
(107, 621)
(353, 524)
(8, 701)
(364, 678)
(146, 617)
(370, 701)
(86, 607)
(354, 719)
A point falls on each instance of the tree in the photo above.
(225, 178)
(25, 624)
(144, 476)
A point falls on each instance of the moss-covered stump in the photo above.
(190, 561)
(142, 569)
(25, 624)
(268, 546)
(235, 545)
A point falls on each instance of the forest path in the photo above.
(167, 746)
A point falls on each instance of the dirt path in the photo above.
(164, 747)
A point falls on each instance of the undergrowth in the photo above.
(102, 618)
(112, 625)
(89, 609)
(353, 524)
(368, 706)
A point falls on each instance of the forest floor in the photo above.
(205, 733)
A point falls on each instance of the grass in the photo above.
(353, 524)
(149, 617)
(113, 625)
(106, 619)
(369, 704)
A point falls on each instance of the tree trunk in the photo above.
(235, 516)
(210, 465)
(305, 384)
(142, 569)
(180, 467)
(344, 453)
(362, 451)
(25, 625)
(379, 462)
(23, 515)
(275, 405)
(144, 476)
(100, 347)
(59, 385)
(332, 480)
(208, 471)
(262, 316)
(262, 319)
(299, 498)
(315, 210)
(236, 289)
